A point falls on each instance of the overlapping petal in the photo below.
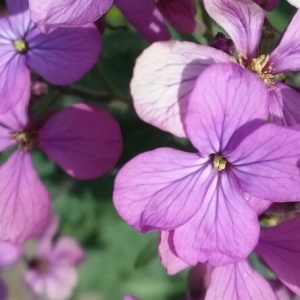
(168, 256)
(238, 281)
(279, 246)
(164, 77)
(245, 26)
(64, 55)
(258, 205)
(266, 163)
(225, 230)
(51, 14)
(25, 202)
(227, 112)
(162, 189)
(83, 140)
(180, 13)
(147, 19)
(286, 57)
(9, 254)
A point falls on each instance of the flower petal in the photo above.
(57, 284)
(25, 202)
(279, 246)
(128, 297)
(161, 189)
(266, 163)
(296, 3)
(9, 254)
(51, 14)
(258, 205)
(146, 18)
(164, 77)
(83, 140)
(167, 253)
(67, 252)
(64, 55)
(180, 13)
(238, 281)
(286, 57)
(225, 99)
(224, 230)
(245, 26)
(14, 77)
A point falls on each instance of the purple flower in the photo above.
(145, 15)
(61, 57)
(165, 74)
(128, 297)
(52, 273)
(199, 195)
(83, 140)
(268, 5)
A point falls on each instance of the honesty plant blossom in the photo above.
(145, 15)
(166, 72)
(267, 4)
(52, 273)
(60, 57)
(83, 140)
(200, 194)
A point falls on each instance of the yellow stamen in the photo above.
(20, 46)
(26, 140)
(219, 162)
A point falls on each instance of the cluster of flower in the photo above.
(229, 99)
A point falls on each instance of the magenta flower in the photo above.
(165, 74)
(128, 297)
(60, 57)
(52, 273)
(200, 194)
(83, 140)
(145, 15)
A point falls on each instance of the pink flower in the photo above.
(52, 273)
(128, 297)
(61, 57)
(201, 195)
(83, 140)
(165, 74)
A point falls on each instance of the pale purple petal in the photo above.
(266, 163)
(14, 75)
(9, 254)
(286, 57)
(23, 216)
(162, 189)
(224, 230)
(64, 55)
(57, 284)
(258, 205)
(67, 252)
(180, 13)
(49, 14)
(296, 3)
(238, 282)
(167, 253)
(290, 104)
(147, 19)
(279, 246)
(225, 99)
(164, 77)
(83, 140)
(245, 25)
(276, 106)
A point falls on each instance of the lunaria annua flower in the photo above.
(60, 57)
(166, 72)
(200, 195)
(52, 272)
(145, 15)
(83, 140)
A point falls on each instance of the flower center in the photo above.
(26, 139)
(38, 265)
(21, 46)
(219, 162)
(259, 67)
